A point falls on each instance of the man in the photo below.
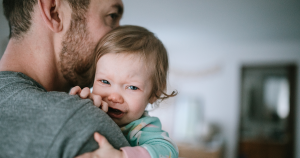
(51, 49)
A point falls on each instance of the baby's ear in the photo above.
(152, 99)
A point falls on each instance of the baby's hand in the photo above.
(106, 150)
(86, 94)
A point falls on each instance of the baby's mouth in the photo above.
(115, 113)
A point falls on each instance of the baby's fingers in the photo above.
(86, 155)
(96, 99)
(104, 106)
(75, 90)
(85, 92)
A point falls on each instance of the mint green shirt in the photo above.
(147, 133)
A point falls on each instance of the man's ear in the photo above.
(50, 14)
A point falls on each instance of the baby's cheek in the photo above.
(142, 108)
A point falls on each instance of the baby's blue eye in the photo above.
(133, 87)
(105, 81)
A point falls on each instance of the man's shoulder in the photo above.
(19, 90)
(48, 122)
(25, 100)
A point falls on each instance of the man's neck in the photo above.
(35, 59)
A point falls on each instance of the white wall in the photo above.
(202, 34)
(220, 91)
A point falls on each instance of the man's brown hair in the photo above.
(18, 13)
(138, 40)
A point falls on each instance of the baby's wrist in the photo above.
(135, 152)
(123, 154)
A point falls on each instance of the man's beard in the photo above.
(76, 57)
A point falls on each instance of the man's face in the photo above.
(77, 54)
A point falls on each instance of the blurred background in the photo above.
(235, 65)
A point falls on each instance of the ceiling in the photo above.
(211, 24)
(213, 20)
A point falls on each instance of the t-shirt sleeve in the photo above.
(76, 135)
(135, 152)
(147, 133)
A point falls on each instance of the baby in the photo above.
(131, 71)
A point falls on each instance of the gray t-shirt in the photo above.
(37, 123)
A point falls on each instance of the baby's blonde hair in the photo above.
(138, 40)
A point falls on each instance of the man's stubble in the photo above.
(76, 57)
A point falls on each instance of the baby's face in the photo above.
(124, 82)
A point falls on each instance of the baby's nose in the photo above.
(116, 98)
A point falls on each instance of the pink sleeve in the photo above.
(135, 152)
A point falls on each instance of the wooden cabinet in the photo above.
(191, 151)
(264, 149)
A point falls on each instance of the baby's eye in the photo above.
(105, 81)
(133, 87)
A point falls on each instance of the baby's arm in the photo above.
(153, 141)
(147, 133)
(146, 138)
(105, 149)
(86, 94)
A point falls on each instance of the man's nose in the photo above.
(115, 98)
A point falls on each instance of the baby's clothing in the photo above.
(146, 132)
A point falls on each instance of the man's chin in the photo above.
(82, 82)
(78, 80)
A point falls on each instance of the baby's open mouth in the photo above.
(115, 113)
